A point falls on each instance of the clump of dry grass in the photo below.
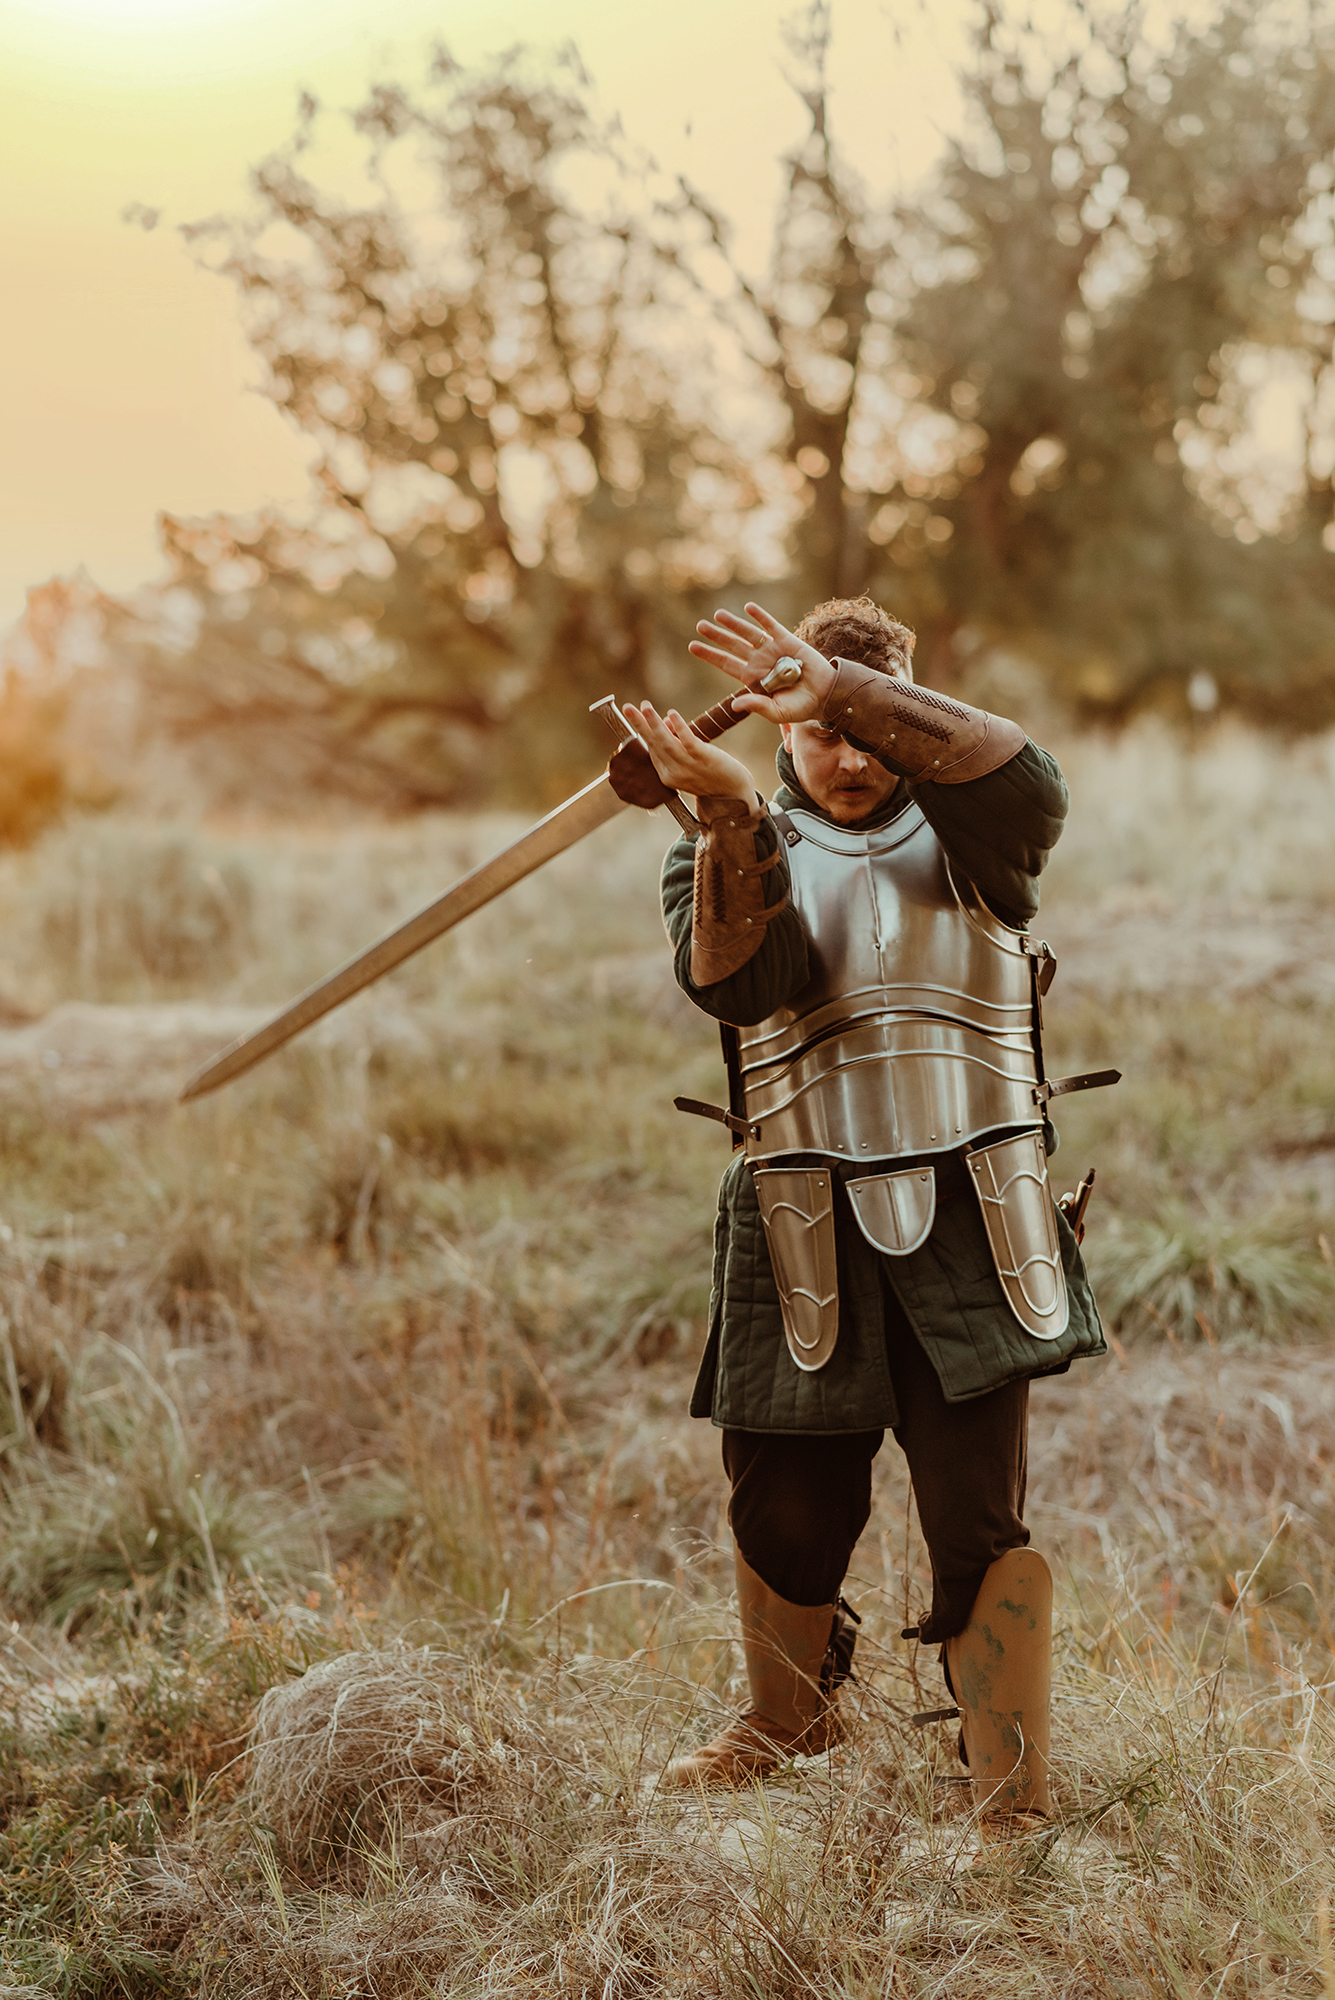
(1205, 1274)
(1237, 814)
(409, 1750)
(1190, 1848)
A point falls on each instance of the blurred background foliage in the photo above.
(1070, 410)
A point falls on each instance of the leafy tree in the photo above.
(557, 420)
(523, 494)
(553, 436)
(1122, 241)
(816, 332)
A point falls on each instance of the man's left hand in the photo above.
(748, 648)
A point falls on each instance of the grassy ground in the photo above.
(362, 1385)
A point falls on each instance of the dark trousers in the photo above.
(800, 1502)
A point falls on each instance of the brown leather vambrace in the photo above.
(914, 731)
(729, 918)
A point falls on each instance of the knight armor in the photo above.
(917, 1033)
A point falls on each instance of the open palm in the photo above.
(748, 647)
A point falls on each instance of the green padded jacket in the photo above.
(999, 829)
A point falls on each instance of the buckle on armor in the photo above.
(1045, 961)
(797, 1209)
(1011, 1180)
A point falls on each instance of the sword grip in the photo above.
(724, 714)
(712, 724)
(1073, 1205)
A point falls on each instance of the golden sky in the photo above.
(125, 374)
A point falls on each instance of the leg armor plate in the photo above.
(1011, 1178)
(797, 1209)
(895, 1212)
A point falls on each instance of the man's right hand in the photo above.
(747, 648)
(685, 762)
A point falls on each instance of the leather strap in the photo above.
(1062, 1086)
(730, 915)
(698, 1109)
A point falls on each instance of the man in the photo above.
(887, 1253)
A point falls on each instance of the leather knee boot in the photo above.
(791, 1712)
(1001, 1674)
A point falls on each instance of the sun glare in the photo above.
(129, 15)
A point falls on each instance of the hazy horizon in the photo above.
(131, 386)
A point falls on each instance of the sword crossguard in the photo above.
(648, 780)
(609, 712)
(640, 785)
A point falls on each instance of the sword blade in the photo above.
(587, 810)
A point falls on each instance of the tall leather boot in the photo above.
(1000, 1669)
(792, 1712)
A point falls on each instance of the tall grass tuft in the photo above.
(131, 911)
(1193, 1274)
(144, 1537)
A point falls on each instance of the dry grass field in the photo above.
(360, 1566)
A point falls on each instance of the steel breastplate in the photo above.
(915, 1030)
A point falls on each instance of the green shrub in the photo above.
(497, 1116)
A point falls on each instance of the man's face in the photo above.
(847, 783)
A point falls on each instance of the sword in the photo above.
(588, 809)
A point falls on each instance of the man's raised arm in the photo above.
(995, 800)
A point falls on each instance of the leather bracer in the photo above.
(915, 732)
(729, 918)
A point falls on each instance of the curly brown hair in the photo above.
(854, 628)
